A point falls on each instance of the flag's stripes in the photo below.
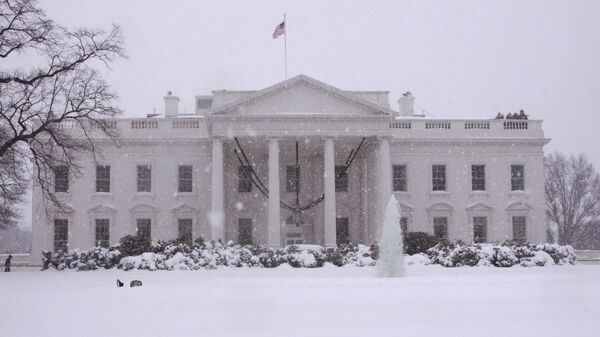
(279, 30)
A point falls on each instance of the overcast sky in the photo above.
(459, 58)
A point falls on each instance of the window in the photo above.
(478, 177)
(244, 179)
(404, 225)
(144, 228)
(342, 231)
(204, 103)
(144, 178)
(517, 178)
(61, 235)
(440, 228)
(399, 178)
(341, 179)
(185, 178)
(294, 237)
(479, 229)
(102, 178)
(293, 179)
(439, 177)
(102, 232)
(519, 229)
(245, 231)
(184, 229)
(61, 179)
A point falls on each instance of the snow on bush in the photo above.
(176, 255)
(418, 259)
(506, 254)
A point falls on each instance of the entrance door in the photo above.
(342, 230)
(245, 231)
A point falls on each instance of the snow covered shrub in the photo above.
(271, 258)
(92, 259)
(418, 242)
(145, 261)
(560, 254)
(358, 255)
(539, 259)
(440, 254)
(465, 255)
(374, 250)
(419, 259)
(199, 242)
(132, 245)
(301, 259)
(504, 256)
(175, 255)
(334, 255)
(54, 260)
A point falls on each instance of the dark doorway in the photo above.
(244, 231)
(342, 231)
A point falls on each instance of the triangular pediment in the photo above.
(183, 208)
(479, 206)
(304, 96)
(519, 206)
(103, 209)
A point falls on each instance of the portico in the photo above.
(324, 204)
(328, 125)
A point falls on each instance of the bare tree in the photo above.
(572, 191)
(40, 106)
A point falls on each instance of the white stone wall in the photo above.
(419, 201)
(124, 204)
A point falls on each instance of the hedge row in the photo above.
(210, 255)
(506, 254)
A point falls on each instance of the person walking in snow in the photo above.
(7, 264)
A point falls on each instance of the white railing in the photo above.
(67, 124)
(438, 125)
(186, 124)
(483, 125)
(400, 125)
(516, 125)
(107, 124)
(144, 124)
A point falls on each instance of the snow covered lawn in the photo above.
(431, 301)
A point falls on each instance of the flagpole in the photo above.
(285, 32)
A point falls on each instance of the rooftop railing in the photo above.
(492, 128)
(401, 128)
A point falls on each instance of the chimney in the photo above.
(171, 105)
(406, 104)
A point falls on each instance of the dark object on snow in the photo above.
(135, 283)
(7, 264)
(119, 283)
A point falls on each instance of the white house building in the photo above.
(300, 162)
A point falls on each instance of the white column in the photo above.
(217, 216)
(364, 200)
(385, 180)
(274, 233)
(329, 230)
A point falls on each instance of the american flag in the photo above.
(279, 30)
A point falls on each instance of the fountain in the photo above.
(391, 255)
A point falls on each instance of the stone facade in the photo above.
(326, 125)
